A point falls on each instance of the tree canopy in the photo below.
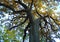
(39, 18)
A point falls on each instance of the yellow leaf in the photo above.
(54, 16)
(27, 1)
(50, 12)
(40, 4)
(58, 22)
(42, 11)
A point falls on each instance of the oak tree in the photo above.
(40, 17)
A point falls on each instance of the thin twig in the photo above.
(19, 24)
(21, 3)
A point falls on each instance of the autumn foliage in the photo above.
(39, 9)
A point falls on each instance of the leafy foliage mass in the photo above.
(25, 14)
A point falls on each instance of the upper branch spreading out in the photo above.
(21, 4)
(9, 7)
(1, 4)
(31, 5)
(19, 24)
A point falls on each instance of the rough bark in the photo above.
(34, 32)
(34, 29)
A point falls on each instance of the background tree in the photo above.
(39, 18)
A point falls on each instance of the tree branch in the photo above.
(54, 20)
(18, 17)
(19, 11)
(31, 5)
(26, 30)
(21, 4)
(38, 13)
(1, 4)
(19, 24)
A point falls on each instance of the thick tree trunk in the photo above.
(34, 29)
(34, 32)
